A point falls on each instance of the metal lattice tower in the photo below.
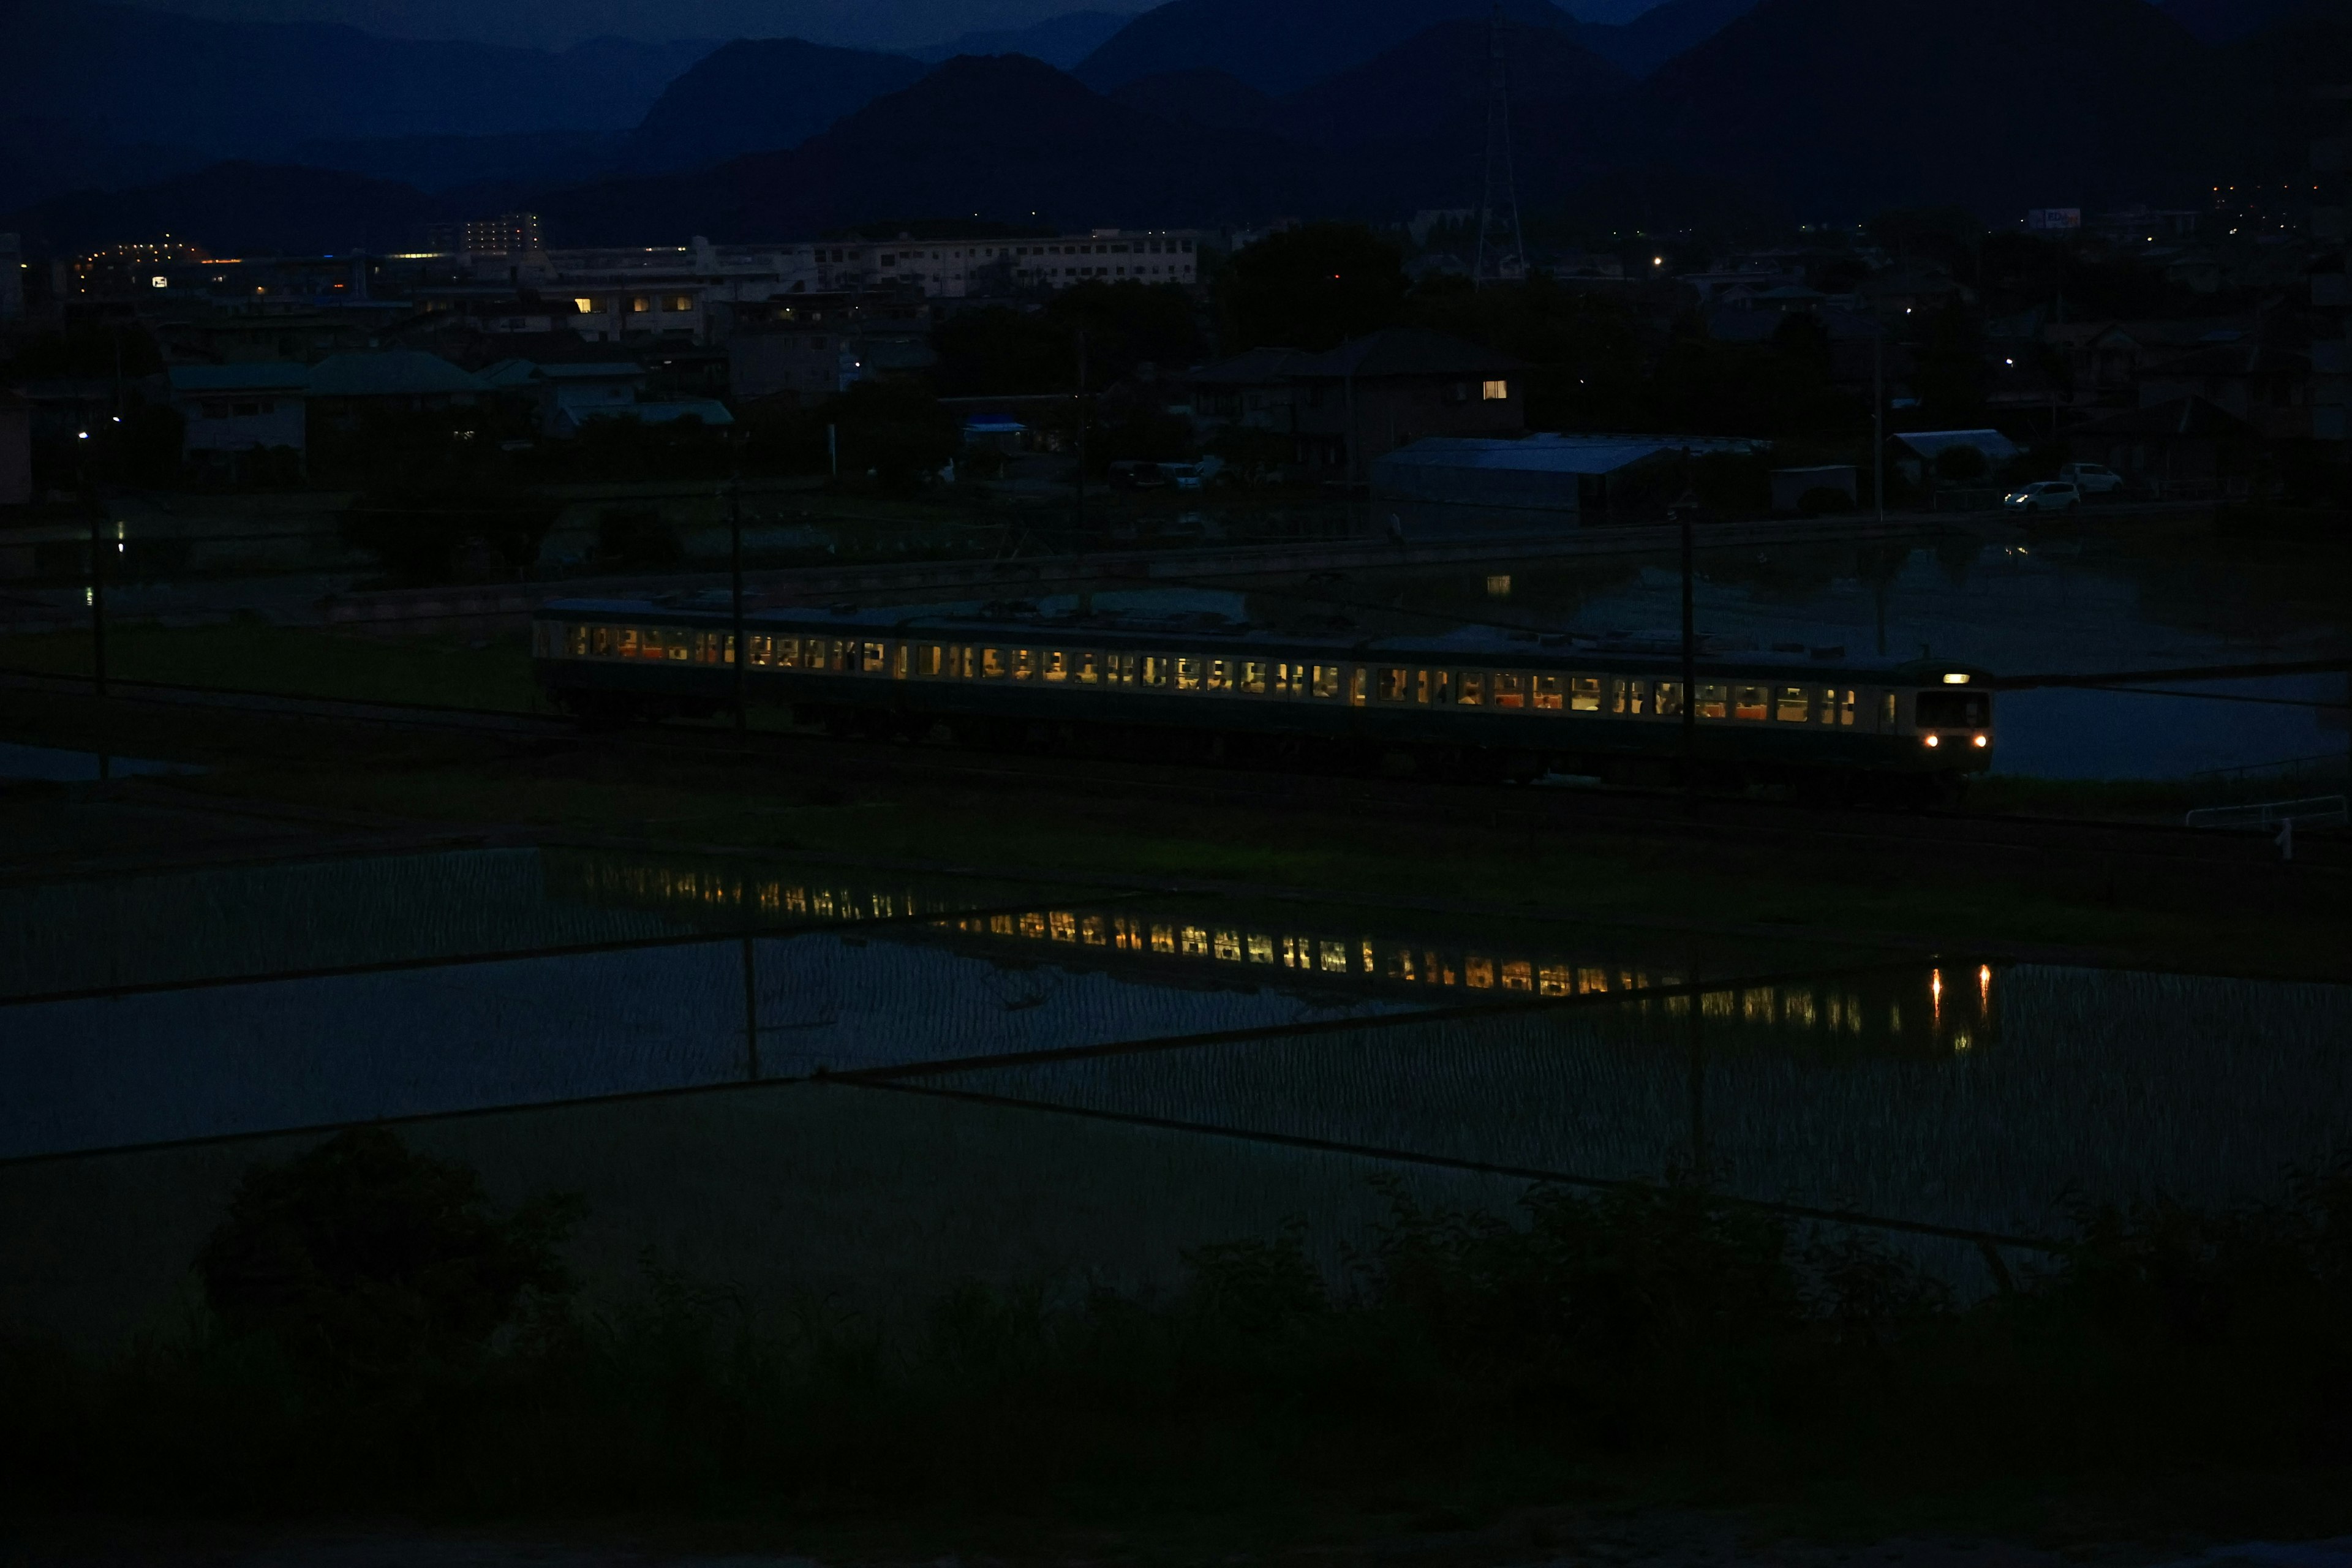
(1502, 247)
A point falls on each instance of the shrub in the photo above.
(362, 1259)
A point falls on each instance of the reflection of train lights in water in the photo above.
(1217, 947)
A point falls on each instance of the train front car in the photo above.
(1952, 718)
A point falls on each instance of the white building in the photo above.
(230, 408)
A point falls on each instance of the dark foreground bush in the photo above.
(379, 1338)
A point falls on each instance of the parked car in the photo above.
(2091, 480)
(2046, 495)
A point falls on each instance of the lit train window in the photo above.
(1837, 707)
(1252, 677)
(788, 653)
(1359, 682)
(1749, 702)
(1714, 700)
(1290, 680)
(624, 642)
(1795, 706)
(1509, 689)
(898, 659)
(1434, 686)
(579, 642)
(1024, 664)
(1886, 711)
(870, 659)
(992, 664)
(933, 660)
(1056, 664)
(1584, 694)
(1474, 689)
(755, 649)
(1217, 675)
(600, 642)
(1157, 670)
(1544, 691)
(1326, 680)
(681, 645)
(1394, 684)
(1668, 701)
(1188, 675)
(1089, 668)
(1628, 697)
(1118, 668)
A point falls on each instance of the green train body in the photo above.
(1575, 705)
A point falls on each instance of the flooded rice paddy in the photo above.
(802, 1076)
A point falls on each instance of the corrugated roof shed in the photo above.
(1540, 473)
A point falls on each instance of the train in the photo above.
(1478, 700)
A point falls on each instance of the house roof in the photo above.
(394, 373)
(2181, 416)
(1402, 351)
(513, 373)
(263, 376)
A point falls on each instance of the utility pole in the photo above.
(742, 646)
(1878, 411)
(1083, 422)
(751, 1005)
(1690, 660)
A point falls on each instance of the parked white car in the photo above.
(2046, 495)
(2091, 480)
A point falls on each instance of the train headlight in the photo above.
(1934, 740)
(1981, 742)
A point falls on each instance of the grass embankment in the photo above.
(251, 655)
(375, 1338)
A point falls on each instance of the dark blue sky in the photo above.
(890, 24)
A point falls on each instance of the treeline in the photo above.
(375, 1337)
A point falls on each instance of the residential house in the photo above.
(569, 398)
(342, 386)
(1365, 399)
(227, 410)
(1249, 392)
(2257, 377)
(2189, 447)
(1345, 408)
(801, 352)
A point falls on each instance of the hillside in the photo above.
(1060, 41)
(255, 90)
(1664, 32)
(1436, 82)
(1282, 46)
(1003, 138)
(1837, 107)
(761, 95)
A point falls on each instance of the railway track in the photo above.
(1592, 811)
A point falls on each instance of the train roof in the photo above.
(1016, 620)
